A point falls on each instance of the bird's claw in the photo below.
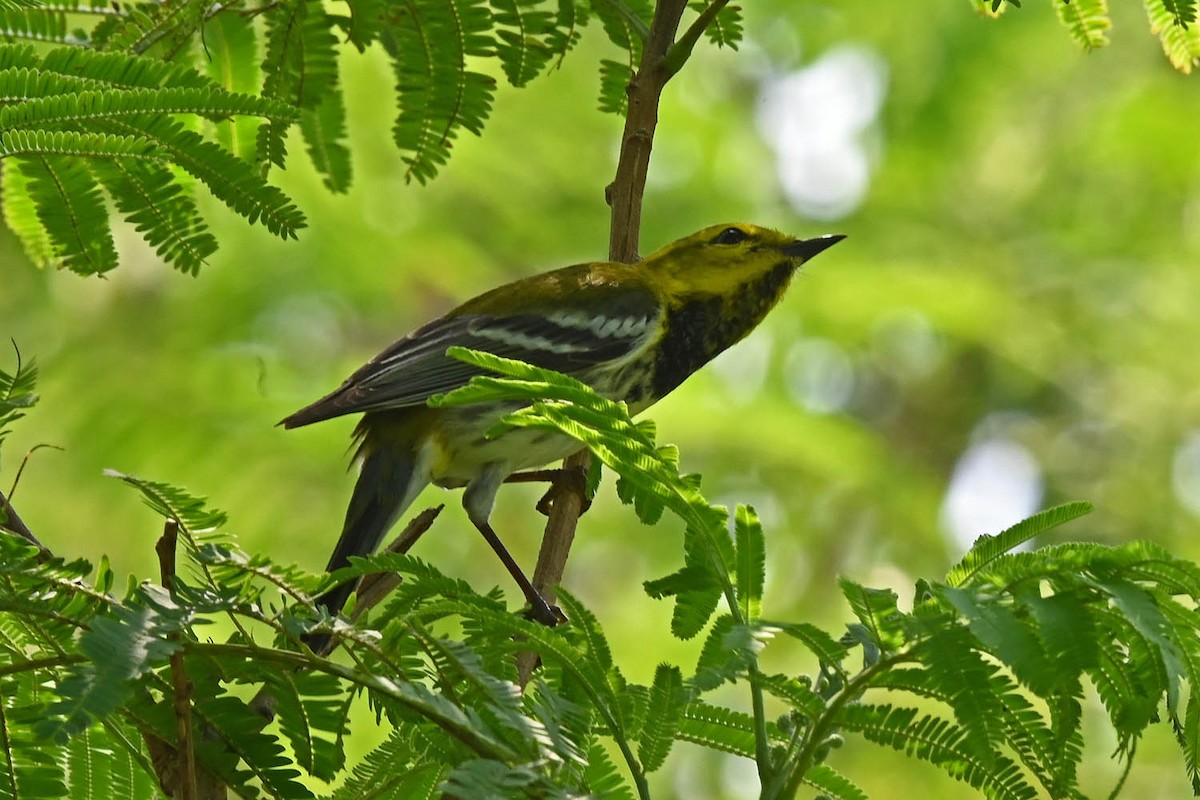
(566, 479)
(549, 615)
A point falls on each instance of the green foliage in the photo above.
(1174, 23)
(106, 112)
(16, 393)
(1001, 649)
(75, 122)
(1087, 21)
(118, 110)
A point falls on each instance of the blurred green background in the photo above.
(1011, 324)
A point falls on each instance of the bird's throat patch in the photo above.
(704, 325)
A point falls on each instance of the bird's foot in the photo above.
(573, 479)
(549, 615)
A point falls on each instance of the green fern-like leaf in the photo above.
(379, 774)
(572, 16)
(171, 502)
(1006, 636)
(29, 767)
(751, 561)
(310, 704)
(614, 80)
(718, 728)
(966, 681)
(988, 548)
(602, 778)
(430, 46)
(626, 24)
(41, 25)
(703, 579)
(1184, 11)
(301, 68)
(324, 131)
(1087, 20)
(80, 119)
(1066, 743)
(796, 693)
(726, 29)
(367, 18)
(93, 106)
(832, 784)
(233, 63)
(586, 628)
(1187, 733)
(524, 43)
(1180, 42)
(20, 214)
(728, 652)
(67, 196)
(877, 612)
(17, 392)
(938, 742)
(162, 30)
(259, 757)
(160, 209)
(86, 69)
(230, 179)
(667, 702)
(120, 648)
(1146, 617)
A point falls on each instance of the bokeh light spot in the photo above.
(996, 484)
(816, 120)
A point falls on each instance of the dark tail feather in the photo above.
(387, 485)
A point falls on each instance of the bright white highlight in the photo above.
(996, 484)
(1185, 473)
(817, 120)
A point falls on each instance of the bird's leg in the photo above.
(574, 478)
(478, 499)
(539, 609)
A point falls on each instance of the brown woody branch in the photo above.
(624, 196)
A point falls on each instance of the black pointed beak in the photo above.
(807, 248)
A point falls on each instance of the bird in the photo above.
(632, 331)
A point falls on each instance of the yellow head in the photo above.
(720, 258)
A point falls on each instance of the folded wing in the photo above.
(567, 339)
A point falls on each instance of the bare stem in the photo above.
(185, 746)
(374, 588)
(11, 522)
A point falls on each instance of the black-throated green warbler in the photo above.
(632, 332)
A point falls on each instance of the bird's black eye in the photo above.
(731, 236)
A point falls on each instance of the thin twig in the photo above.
(374, 588)
(681, 51)
(185, 749)
(10, 521)
(624, 194)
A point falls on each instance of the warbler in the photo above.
(632, 332)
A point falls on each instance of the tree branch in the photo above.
(185, 746)
(624, 195)
(681, 51)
